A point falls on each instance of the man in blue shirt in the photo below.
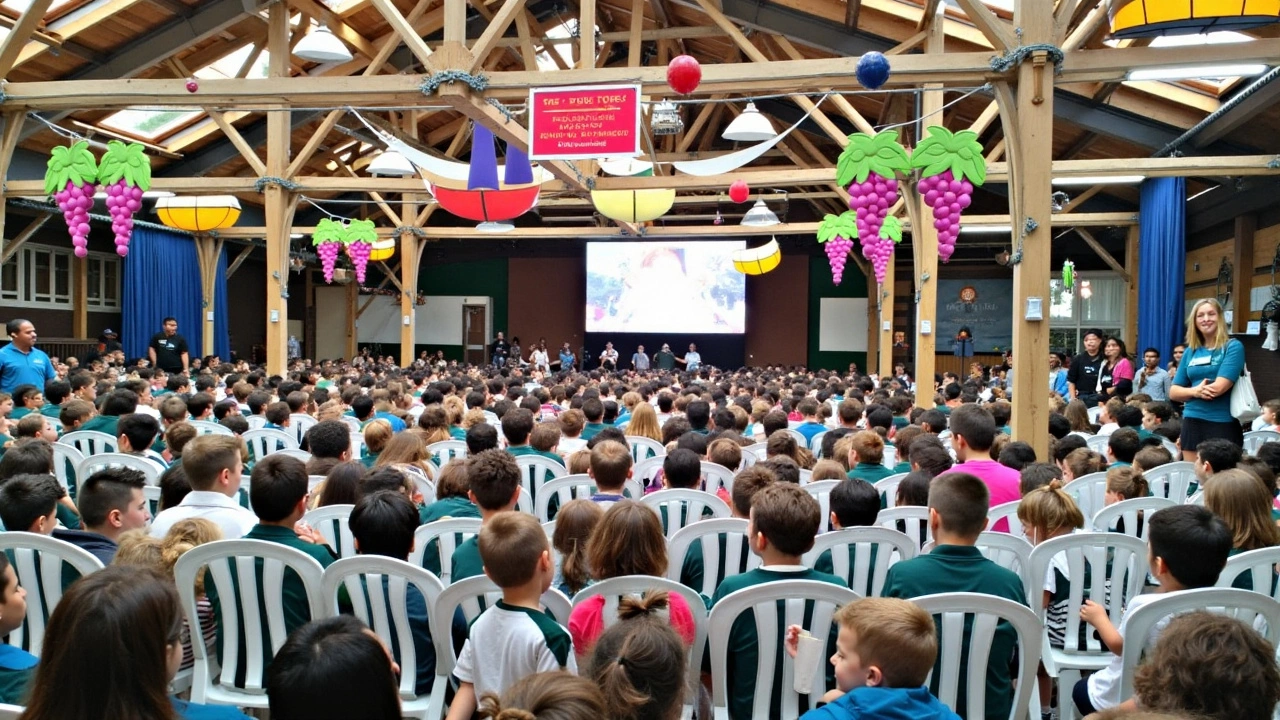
(567, 358)
(21, 363)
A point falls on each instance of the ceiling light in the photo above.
(391, 163)
(495, 227)
(760, 216)
(1198, 71)
(750, 126)
(1099, 180)
(986, 229)
(320, 45)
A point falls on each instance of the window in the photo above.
(1096, 301)
(42, 277)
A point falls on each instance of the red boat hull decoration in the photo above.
(487, 205)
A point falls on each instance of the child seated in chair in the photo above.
(17, 666)
(495, 487)
(854, 503)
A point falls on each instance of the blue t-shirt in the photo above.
(19, 368)
(1206, 364)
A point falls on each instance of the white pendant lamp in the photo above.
(760, 216)
(320, 45)
(750, 126)
(392, 164)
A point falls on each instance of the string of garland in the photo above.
(1274, 163)
(1028, 227)
(478, 84)
(260, 185)
(1013, 57)
(420, 299)
(53, 210)
(410, 229)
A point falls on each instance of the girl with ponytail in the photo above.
(640, 662)
(556, 695)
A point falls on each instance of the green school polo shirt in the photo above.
(50, 410)
(590, 430)
(466, 560)
(103, 424)
(871, 472)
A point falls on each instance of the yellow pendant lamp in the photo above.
(758, 260)
(633, 205)
(1152, 18)
(382, 249)
(199, 213)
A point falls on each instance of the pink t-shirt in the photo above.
(586, 622)
(1122, 371)
(1002, 483)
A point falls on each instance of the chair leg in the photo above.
(1067, 679)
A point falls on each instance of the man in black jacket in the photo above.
(1082, 376)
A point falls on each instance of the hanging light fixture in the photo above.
(750, 126)
(199, 213)
(321, 46)
(383, 249)
(495, 227)
(760, 216)
(391, 164)
(634, 205)
(1153, 18)
(758, 260)
(666, 119)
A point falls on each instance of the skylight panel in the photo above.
(148, 124)
(228, 65)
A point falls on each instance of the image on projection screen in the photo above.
(665, 287)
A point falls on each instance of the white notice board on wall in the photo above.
(842, 325)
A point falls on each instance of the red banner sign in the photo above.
(584, 122)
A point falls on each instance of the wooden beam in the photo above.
(1242, 278)
(8, 143)
(12, 247)
(246, 151)
(353, 296)
(1107, 258)
(245, 252)
(278, 203)
(16, 40)
(586, 34)
(527, 52)
(494, 30)
(80, 298)
(924, 239)
(993, 28)
(635, 39)
(1132, 258)
(1080, 199)
(455, 21)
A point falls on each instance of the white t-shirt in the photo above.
(692, 360)
(215, 507)
(1104, 685)
(507, 643)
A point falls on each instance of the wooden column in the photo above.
(1029, 145)
(277, 201)
(924, 238)
(8, 142)
(1131, 260)
(207, 251)
(353, 297)
(80, 301)
(1242, 277)
(884, 326)
(410, 254)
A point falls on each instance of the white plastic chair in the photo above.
(331, 522)
(800, 600)
(1196, 498)
(1009, 512)
(38, 561)
(205, 427)
(915, 522)
(246, 561)
(1089, 492)
(987, 611)
(873, 549)
(1253, 609)
(1116, 566)
(736, 559)
(378, 588)
(572, 487)
(447, 534)
(815, 443)
(94, 463)
(300, 423)
(352, 423)
(1099, 443)
(681, 507)
(801, 440)
(265, 441)
(614, 589)
(1094, 413)
(715, 477)
(821, 491)
(888, 488)
(1009, 552)
(643, 448)
(759, 450)
(1171, 446)
(90, 442)
(302, 455)
(11, 712)
(256, 422)
(66, 458)
(1254, 439)
(646, 470)
(1128, 510)
(1171, 480)
(806, 476)
(472, 595)
(446, 451)
(536, 471)
(1261, 566)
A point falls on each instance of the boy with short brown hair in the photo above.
(610, 468)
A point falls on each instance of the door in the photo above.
(474, 341)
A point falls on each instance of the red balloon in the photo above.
(683, 74)
(739, 192)
(192, 85)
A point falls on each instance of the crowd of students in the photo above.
(515, 661)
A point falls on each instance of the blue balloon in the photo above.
(873, 70)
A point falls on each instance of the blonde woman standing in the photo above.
(1211, 365)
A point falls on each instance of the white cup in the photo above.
(809, 652)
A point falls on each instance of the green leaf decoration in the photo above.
(360, 231)
(327, 231)
(70, 164)
(943, 150)
(833, 226)
(865, 154)
(125, 162)
(891, 229)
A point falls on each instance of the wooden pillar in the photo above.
(207, 251)
(8, 142)
(884, 326)
(410, 254)
(353, 297)
(873, 325)
(1029, 146)
(80, 299)
(1242, 277)
(924, 239)
(277, 201)
(1131, 260)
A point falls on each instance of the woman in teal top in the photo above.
(1210, 367)
(17, 666)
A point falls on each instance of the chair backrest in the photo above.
(1089, 492)
(801, 440)
(1171, 446)
(806, 476)
(890, 456)
(1254, 439)
(331, 522)
(384, 609)
(300, 423)
(815, 443)
(11, 712)
(643, 448)
(357, 444)
(1099, 443)
(264, 441)
(1171, 480)
(447, 450)
(39, 562)
(715, 477)
(807, 603)
(90, 442)
(1253, 609)
(1261, 565)
(735, 559)
(821, 491)
(914, 519)
(1196, 498)
(862, 555)
(1130, 511)
(1105, 567)
(249, 576)
(1008, 512)
(1094, 413)
(680, 507)
(205, 427)
(302, 455)
(888, 489)
(950, 611)
(760, 450)
(93, 463)
(572, 487)
(646, 470)
(1009, 552)
(536, 471)
(256, 422)
(352, 423)
(66, 458)
(441, 538)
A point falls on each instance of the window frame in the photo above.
(23, 264)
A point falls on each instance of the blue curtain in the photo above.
(1162, 267)
(162, 279)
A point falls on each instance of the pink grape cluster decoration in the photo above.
(125, 173)
(951, 166)
(359, 239)
(869, 167)
(329, 238)
(69, 179)
(834, 233)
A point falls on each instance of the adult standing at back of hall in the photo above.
(168, 349)
(1209, 368)
(1082, 376)
(21, 362)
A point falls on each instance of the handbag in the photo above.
(1244, 401)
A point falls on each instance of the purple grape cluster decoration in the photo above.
(69, 179)
(951, 166)
(869, 167)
